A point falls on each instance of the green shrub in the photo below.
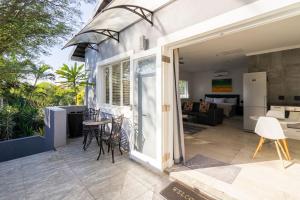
(7, 123)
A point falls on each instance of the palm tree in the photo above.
(73, 77)
(41, 72)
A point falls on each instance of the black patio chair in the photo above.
(113, 137)
(90, 114)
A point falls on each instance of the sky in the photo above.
(58, 56)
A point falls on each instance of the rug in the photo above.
(214, 168)
(176, 191)
(192, 129)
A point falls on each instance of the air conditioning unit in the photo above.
(220, 74)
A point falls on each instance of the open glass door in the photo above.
(146, 143)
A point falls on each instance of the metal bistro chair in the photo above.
(90, 114)
(112, 138)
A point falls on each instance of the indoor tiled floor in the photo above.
(70, 173)
(261, 178)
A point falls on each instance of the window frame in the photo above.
(110, 66)
(186, 94)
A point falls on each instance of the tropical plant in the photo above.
(41, 72)
(29, 118)
(73, 77)
(7, 123)
(28, 28)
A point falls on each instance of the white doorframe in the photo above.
(249, 16)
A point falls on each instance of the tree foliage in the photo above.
(30, 27)
(73, 77)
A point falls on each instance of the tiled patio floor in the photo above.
(70, 173)
(261, 178)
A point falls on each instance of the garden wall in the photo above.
(16, 148)
(55, 129)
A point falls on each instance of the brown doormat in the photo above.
(176, 191)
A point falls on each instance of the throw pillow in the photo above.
(204, 106)
(188, 106)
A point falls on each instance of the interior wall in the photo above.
(283, 71)
(201, 82)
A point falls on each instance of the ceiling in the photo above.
(231, 50)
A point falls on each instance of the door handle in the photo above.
(144, 115)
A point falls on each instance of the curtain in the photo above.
(179, 151)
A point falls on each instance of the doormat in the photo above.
(214, 168)
(176, 191)
(192, 129)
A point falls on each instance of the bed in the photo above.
(228, 102)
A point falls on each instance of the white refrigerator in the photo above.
(255, 97)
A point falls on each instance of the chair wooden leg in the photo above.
(279, 154)
(260, 143)
(286, 147)
(282, 149)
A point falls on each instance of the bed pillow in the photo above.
(208, 99)
(218, 100)
(231, 100)
(188, 106)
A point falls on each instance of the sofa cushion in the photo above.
(204, 106)
(188, 106)
(196, 107)
(199, 114)
(212, 106)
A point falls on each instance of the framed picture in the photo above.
(222, 85)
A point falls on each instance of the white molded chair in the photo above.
(270, 128)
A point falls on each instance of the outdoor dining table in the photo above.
(93, 128)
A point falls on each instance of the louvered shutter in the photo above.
(116, 84)
(126, 83)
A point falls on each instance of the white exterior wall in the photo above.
(180, 22)
(171, 18)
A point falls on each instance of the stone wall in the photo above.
(283, 70)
